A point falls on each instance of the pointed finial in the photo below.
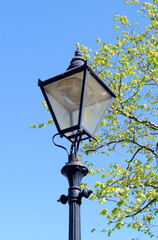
(78, 52)
(78, 60)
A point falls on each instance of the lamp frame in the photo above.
(80, 130)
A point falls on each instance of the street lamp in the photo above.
(77, 100)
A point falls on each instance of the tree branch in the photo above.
(148, 123)
(138, 144)
(142, 209)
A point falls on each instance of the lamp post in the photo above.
(77, 100)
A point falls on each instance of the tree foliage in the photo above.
(130, 67)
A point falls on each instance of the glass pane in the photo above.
(97, 101)
(64, 96)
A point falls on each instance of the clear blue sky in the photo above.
(38, 41)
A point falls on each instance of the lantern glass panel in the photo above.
(97, 101)
(64, 96)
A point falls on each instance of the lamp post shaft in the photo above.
(74, 221)
(74, 170)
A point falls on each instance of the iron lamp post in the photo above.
(77, 100)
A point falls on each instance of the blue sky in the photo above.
(38, 41)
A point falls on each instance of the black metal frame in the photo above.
(41, 84)
(80, 130)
